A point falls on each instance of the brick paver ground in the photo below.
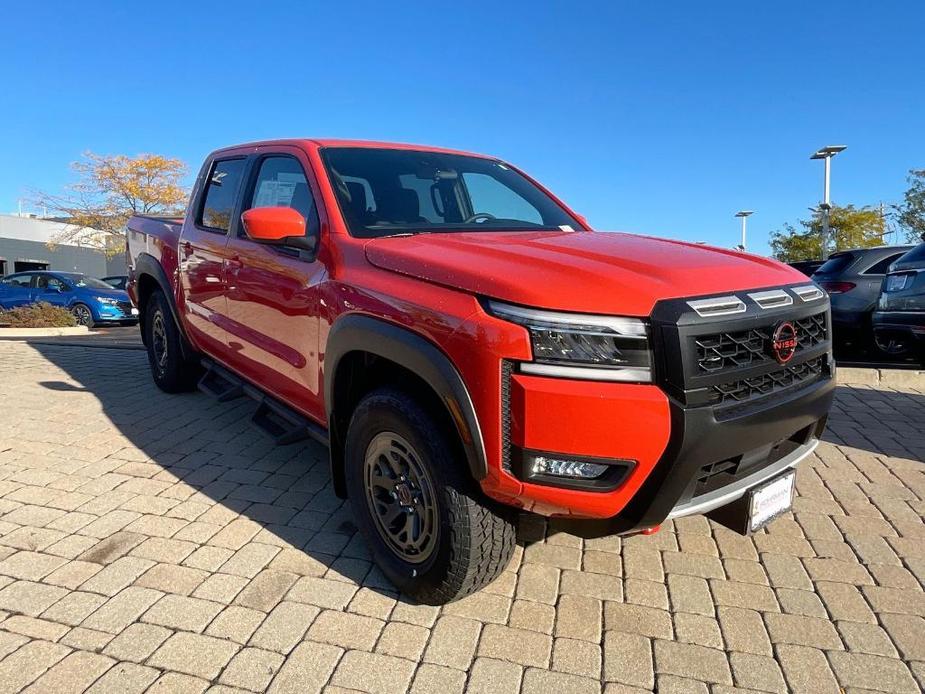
(159, 543)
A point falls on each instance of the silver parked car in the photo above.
(852, 279)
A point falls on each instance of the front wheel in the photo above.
(427, 524)
(171, 370)
(82, 315)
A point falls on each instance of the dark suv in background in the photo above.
(853, 278)
(899, 321)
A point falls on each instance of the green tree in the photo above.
(910, 213)
(850, 227)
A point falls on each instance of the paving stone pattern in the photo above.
(159, 543)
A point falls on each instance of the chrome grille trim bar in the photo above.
(774, 298)
(719, 306)
(808, 292)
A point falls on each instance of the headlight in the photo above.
(573, 345)
(107, 301)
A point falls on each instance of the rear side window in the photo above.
(836, 263)
(916, 255)
(220, 194)
(22, 281)
(882, 265)
(281, 182)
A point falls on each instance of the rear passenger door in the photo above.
(202, 252)
(272, 291)
(16, 290)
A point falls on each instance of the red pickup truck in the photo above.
(467, 346)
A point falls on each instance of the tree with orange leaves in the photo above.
(109, 190)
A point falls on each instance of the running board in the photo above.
(219, 383)
(278, 421)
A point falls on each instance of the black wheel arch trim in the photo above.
(361, 333)
(146, 264)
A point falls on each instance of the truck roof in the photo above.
(318, 143)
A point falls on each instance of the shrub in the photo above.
(40, 315)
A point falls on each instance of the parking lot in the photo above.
(160, 543)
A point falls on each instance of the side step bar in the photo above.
(278, 421)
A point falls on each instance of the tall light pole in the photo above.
(826, 153)
(744, 215)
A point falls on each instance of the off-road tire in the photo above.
(172, 372)
(475, 537)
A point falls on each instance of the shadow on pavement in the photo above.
(879, 420)
(214, 449)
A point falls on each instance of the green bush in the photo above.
(40, 315)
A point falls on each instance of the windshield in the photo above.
(84, 281)
(384, 192)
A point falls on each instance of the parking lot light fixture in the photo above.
(826, 153)
(744, 214)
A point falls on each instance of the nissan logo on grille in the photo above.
(784, 342)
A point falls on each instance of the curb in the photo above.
(894, 378)
(43, 332)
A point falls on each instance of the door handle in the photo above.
(187, 249)
(235, 262)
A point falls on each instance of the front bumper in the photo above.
(701, 436)
(908, 322)
(122, 312)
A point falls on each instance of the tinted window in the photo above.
(836, 263)
(916, 255)
(281, 182)
(24, 281)
(221, 192)
(382, 192)
(50, 282)
(882, 265)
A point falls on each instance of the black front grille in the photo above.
(772, 381)
(125, 307)
(732, 350)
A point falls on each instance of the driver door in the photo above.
(50, 290)
(272, 291)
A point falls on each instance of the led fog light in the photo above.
(557, 470)
(566, 468)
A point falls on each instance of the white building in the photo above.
(26, 244)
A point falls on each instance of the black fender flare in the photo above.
(147, 264)
(360, 333)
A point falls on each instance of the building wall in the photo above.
(26, 239)
(66, 258)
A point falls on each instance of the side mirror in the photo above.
(273, 224)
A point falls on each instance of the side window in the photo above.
(56, 284)
(21, 281)
(490, 196)
(221, 191)
(281, 182)
(881, 266)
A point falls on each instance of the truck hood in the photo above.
(593, 272)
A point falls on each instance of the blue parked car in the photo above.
(92, 301)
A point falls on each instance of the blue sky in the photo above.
(660, 118)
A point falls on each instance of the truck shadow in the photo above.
(209, 452)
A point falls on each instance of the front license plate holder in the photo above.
(759, 506)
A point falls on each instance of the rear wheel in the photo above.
(172, 372)
(82, 315)
(429, 527)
